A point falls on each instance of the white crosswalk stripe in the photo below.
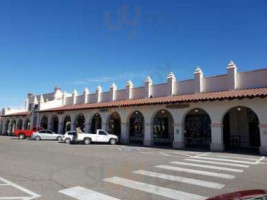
(193, 171)
(222, 159)
(211, 166)
(153, 189)
(181, 179)
(236, 157)
(208, 166)
(217, 163)
(81, 193)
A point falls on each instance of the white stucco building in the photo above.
(224, 112)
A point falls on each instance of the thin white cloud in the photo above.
(104, 79)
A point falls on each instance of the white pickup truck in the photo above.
(87, 138)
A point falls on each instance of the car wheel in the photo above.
(38, 138)
(59, 138)
(21, 136)
(113, 141)
(87, 141)
(67, 141)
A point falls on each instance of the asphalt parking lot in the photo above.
(53, 170)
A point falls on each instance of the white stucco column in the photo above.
(124, 136)
(49, 126)
(87, 127)
(72, 126)
(148, 139)
(105, 126)
(178, 142)
(60, 128)
(216, 137)
(263, 137)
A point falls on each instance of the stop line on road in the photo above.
(200, 164)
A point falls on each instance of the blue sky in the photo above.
(76, 44)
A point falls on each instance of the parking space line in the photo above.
(32, 194)
(153, 189)
(193, 171)
(81, 193)
(208, 166)
(261, 159)
(181, 179)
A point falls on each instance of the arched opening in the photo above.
(13, 127)
(241, 129)
(163, 131)
(197, 130)
(19, 124)
(115, 124)
(27, 124)
(7, 127)
(67, 124)
(80, 120)
(136, 128)
(35, 121)
(96, 123)
(54, 123)
(44, 122)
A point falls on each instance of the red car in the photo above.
(243, 195)
(22, 134)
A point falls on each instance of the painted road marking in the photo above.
(208, 166)
(236, 157)
(81, 193)
(153, 189)
(181, 179)
(217, 163)
(32, 194)
(222, 159)
(193, 171)
(261, 159)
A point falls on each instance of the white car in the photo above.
(100, 136)
(47, 135)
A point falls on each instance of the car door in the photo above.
(41, 134)
(49, 135)
(102, 136)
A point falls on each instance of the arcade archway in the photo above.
(96, 123)
(197, 130)
(163, 131)
(67, 124)
(136, 128)
(27, 124)
(54, 123)
(241, 129)
(80, 120)
(44, 122)
(115, 124)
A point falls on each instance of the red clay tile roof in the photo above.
(210, 96)
(18, 114)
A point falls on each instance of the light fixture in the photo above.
(196, 110)
(239, 109)
(163, 111)
(136, 112)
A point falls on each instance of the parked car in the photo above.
(22, 134)
(47, 135)
(101, 136)
(243, 195)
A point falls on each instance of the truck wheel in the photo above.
(38, 138)
(21, 136)
(59, 138)
(67, 141)
(87, 141)
(113, 141)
